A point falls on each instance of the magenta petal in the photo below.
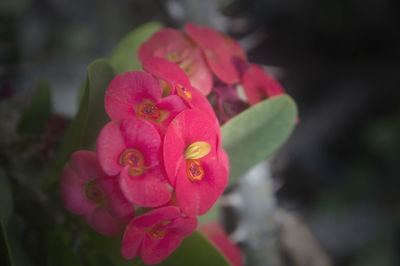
(150, 189)
(198, 71)
(223, 158)
(85, 164)
(71, 187)
(196, 198)
(216, 234)
(154, 251)
(218, 54)
(182, 226)
(117, 204)
(166, 70)
(132, 240)
(127, 91)
(172, 105)
(259, 85)
(160, 39)
(101, 221)
(110, 145)
(141, 135)
(200, 101)
(156, 216)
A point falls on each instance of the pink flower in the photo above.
(138, 94)
(218, 51)
(156, 234)
(132, 149)
(86, 190)
(179, 84)
(193, 161)
(216, 234)
(259, 85)
(176, 47)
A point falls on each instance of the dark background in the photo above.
(338, 59)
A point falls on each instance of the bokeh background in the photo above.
(335, 184)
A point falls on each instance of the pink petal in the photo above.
(160, 39)
(154, 251)
(216, 51)
(118, 206)
(110, 145)
(172, 105)
(200, 101)
(150, 189)
(141, 135)
(182, 226)
(259, 85)
(236, 49)
(105, 224)
(188, 127)
(71, 186)
(223, 158)
(127, 91)
(85, 165)
(198, 71)
(216, 234)
(166, 70)
(196, 198)
(132, 241)
(156, 216)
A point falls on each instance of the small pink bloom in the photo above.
(138, 94)
(216, 234)
(156, 234)
(179, 84)
(86, 190)
(259, 85)
(176, 47)
(193, 161)
(132, 149)
(218, 51)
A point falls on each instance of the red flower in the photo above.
(219, 51)
(259, 85)
(176, 47)
(86, 190)
(138, 94)
(156, 234)
(194, 162)
(132, 149)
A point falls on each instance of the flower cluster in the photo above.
(216, 64)
(160, 153)
(159, 163)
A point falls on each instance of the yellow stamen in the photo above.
(197, 150)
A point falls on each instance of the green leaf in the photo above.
(124, 57)
(33, 119)
(196, 250)
(258, 132)
(6, 206)
(5, 258)
(83, 130)
(100, 74)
